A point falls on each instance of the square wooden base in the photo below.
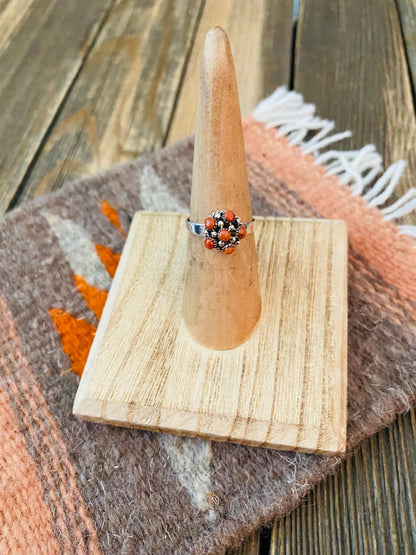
(285, 387)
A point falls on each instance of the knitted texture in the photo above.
(76, 487)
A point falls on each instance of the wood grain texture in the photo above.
(145, 370)
(250, 546)
(407, 13)
(121, 103)
(368, 507)
(348, 517)
(42, 47)
(260, 33)
(350, 61)
(219, 181)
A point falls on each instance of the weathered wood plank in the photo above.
(121, 103)
(260, 34)
(42, 47)
(407, 13)
(250, 546)
(350, 61)
(368, 507)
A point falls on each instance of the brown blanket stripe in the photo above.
(113, 490)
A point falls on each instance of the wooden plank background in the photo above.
(87, 84)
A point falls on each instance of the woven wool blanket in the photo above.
(75, 487)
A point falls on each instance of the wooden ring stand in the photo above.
(185, 344)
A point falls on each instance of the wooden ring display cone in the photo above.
(222, 302)
(284, 386)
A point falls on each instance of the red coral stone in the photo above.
(242, 232)
(229, 250)
(229, 215)
(209, 243)
(209, 223)
(224, 235)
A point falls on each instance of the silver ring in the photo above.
(222, 230)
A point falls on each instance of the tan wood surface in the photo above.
(121, 102)
(251, 545)
(338, 516)
(285, 387)
(219, 181)
(32, 87)
(407, 13)
(350, 61)
(257, 31)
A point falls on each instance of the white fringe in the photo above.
(361, 170)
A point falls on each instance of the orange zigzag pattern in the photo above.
(76, 333)
(109, 258)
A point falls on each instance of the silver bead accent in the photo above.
(220, 243)
(213, 234)
(220, 224)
